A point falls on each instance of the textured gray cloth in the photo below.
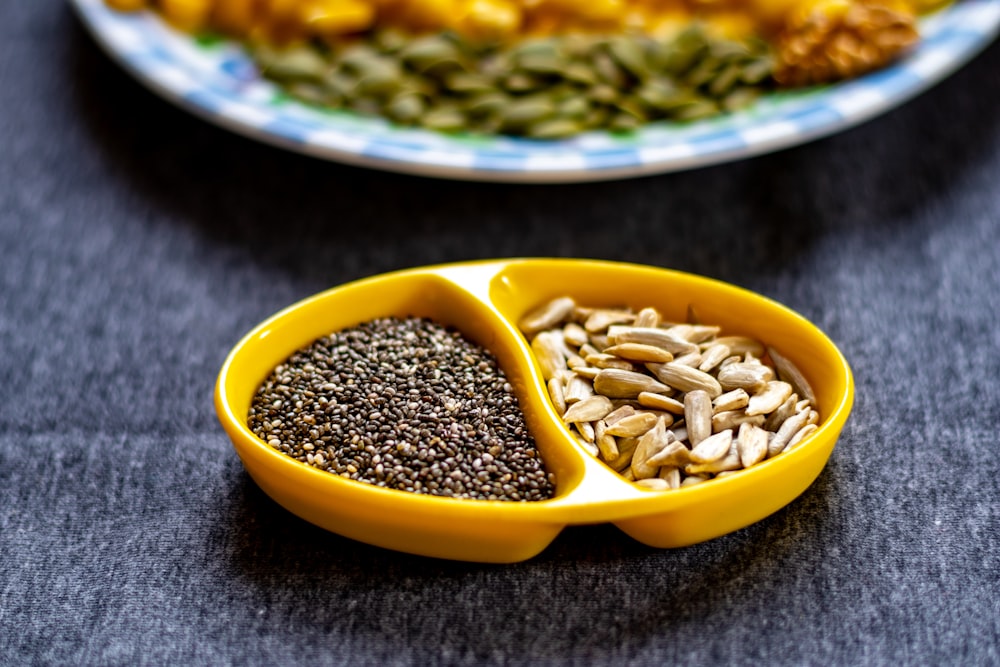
(139, 243)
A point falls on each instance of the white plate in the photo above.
(217, 81)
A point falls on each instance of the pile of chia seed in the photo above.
(407, 404)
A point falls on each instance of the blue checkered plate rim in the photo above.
(216, 80)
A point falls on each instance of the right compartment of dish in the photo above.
(722, 405)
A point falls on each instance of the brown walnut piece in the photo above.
(832, 40)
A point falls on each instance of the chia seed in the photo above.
(407, 404)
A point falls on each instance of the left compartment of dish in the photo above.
(492, 530)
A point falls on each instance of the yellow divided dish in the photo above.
(485, 300)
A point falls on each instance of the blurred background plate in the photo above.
(216, 80)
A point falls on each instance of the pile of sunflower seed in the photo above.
(666, 404)
(541, 88)
(403, 403)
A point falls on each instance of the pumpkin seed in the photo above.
(467, 83)
(616, 83)
(406, 107)
(574, 108)
(444, 119)
(722, 82)
(486, 104)
(389, 40)
(295, 63)
(682, 99)
(424, 53)
(609, 71)
(535, 48)
(658, 53)
(623, 122)
(628, 54)
(756, 71)
(312, 93)
(603, 93)
(562, 92)
(580, 73)
(556, 128)
(368, 106)
(440, 69)
(632, 106)
(688, 48)
(696, 111)
(543, 64)
(378, 77)
(740, 98)
(657, 94)
(728, 50)
(523, 82)
(357, 57)
(597, 118)
(526, 111)
(340, 83)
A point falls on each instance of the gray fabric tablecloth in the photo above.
(139, 243)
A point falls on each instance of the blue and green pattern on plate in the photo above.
(216, 80)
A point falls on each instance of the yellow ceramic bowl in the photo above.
(484, 300)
